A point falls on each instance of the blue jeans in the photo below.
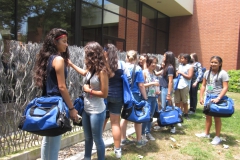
(93, 129)
(146, 126)
(50, 147)
(164, 93)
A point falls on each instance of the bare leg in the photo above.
(138, 129)
(123, 125)
(104, 124)
(208, 124)
(116, 130)
(185, 108)
(218, 125)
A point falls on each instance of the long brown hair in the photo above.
(94, 58)
(49, 48)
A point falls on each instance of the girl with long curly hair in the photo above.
(98, 73)
(50, 74)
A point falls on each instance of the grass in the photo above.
(187, 145)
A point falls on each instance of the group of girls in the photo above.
(104, 71)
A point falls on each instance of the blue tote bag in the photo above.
(46, 116)
(176, 81)
(223, 108)
(127, 93)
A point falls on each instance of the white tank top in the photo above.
(93, 104)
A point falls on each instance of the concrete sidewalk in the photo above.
(107, 142)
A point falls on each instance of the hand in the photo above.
(201, 101)
(215, 100)
(73, 114)
(157, 92)
(194, 84)
(155, 83)
(70, 63)
(86, 87)
(169, 97)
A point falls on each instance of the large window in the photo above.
(116, 6)
(148, 39)
(129, 23)
(36, 19)
(133, 9)
(91, 23)
(149, 16)
(113, 25)
(162, 42)
(132, 35)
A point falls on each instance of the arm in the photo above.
(104, 86)
(150, 83)
(170, 87)
(187, 76)
(58, 65)
(142, 90)
(202, 90)
(78, 69)
(159, 72)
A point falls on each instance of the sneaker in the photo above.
(186, 116)
(191, 112)
(216, 140)
(144, 138)
(173, 130)
(150, 137)
(140, 143)
(202, 135)
(179, 124)
(126, 141)
(118, 152)
(156, 128)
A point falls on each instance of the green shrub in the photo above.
(234, 82)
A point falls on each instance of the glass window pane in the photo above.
(132, 35)
(91, 24)
(148, 39)
(133, 9)
(113, 25)
(118, 43)
(162, 22)
(7, 25)
(117, 6)
(149, 16)
(95, 2)
(162, 42)
(38, 18)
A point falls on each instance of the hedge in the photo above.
(234, 82)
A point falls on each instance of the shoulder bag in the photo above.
(46, 116)
(223, 108)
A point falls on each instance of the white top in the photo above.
(183, 82)
(93, 104)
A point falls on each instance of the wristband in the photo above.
(91, 93)
(70, 109)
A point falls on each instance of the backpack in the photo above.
(203, 71)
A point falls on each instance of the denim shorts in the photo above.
(114, 105)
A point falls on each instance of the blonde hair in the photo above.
(131, 55)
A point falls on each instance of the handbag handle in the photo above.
(47, 109)
(135, 110)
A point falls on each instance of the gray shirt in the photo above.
(214, 84)
(93, 104)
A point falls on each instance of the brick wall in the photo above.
(213, 29)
